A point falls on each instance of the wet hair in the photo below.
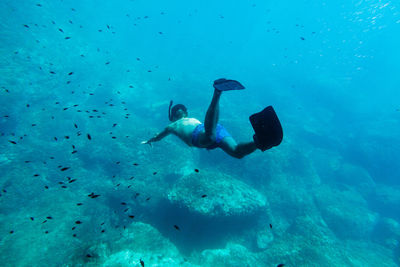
(172, 111)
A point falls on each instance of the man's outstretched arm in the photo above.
(158, 136)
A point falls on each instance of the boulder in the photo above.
(216, 195)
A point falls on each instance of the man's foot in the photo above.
(227, 85)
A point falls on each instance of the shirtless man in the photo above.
(209, 135)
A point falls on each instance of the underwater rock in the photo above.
(142, 241)
(264, 238)
(231, 255)
(354, 175)
(345, 212)
(387, 233)
(225, 196)
(385, 199)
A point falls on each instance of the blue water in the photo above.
(329, 195)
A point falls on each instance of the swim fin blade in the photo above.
(267, 128)
(226, 85)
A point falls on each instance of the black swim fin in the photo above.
(267, 128)
(226, 85)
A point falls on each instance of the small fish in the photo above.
(89, 137)
(141, 262)
(12, 142)
(61, 30)
(92, 195)
(73, 228)
(26, 26)
(154, 173)
(302, 38)
(32, 218)
(65, 168)
(71, 181)
(52, 72)
(78, 222)
(147, 199)
(280, 265)
(196, 170)
(177, 227)
(36, 175)
(135, 164)
(49, 217)
(103, 231)
(46, 187)
(123, 203)
(66, 137)
(79, 204)
(203, 196)
(88, 255)
(270, 226)
(131, 216)
(67, 37)
(46, 232)
(38, 5)
(55, 138)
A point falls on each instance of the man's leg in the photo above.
(211, 120)
(229, 145)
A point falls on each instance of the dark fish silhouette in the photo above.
(141, 262)
(177, 227)
(89, 137)
(131, 216)
(65, 168)
(281, 265)
(92, 195)
(270, 226)
(203, 196)
(12, 142)
(196, 170)
(78, 222)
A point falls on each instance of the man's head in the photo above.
(177, 112)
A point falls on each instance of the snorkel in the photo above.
(169, 110)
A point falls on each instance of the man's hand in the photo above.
(146, 142)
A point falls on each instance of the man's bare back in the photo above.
(184, 128)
